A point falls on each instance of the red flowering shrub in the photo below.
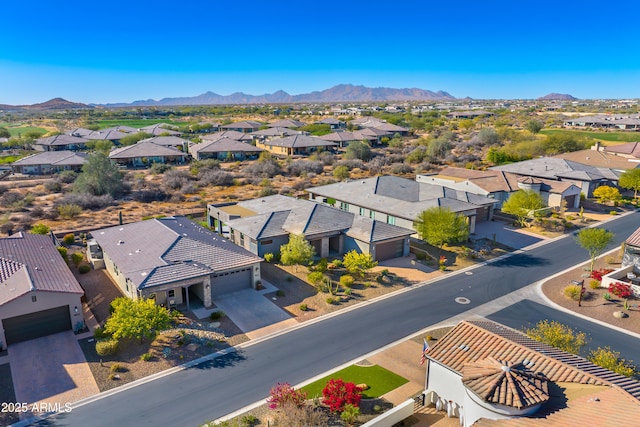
(283, 393)
(337, 394)
(597, 274)
(620, 290)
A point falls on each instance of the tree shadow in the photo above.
(220, 362)
(520, 260)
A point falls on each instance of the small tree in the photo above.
(611, 360)
(358, 150)
(521, 204)
(337, 394)
(594, 240)
(40, 229)
(631, 180)
(605, 194)
(438, 226)
(358, 263)
(138, 319)
(298, 251)
(99, 176)
(341, 172)
(533, 126)
(558, 335)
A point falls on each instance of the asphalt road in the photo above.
(219, 387)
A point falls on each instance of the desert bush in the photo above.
(304, 167)
(341, 172)
(268, 257)
(326, 158)
(315, 277)
(199, 166)
(106, 347)
(7, 227)
(321, 266)
(330, 300)
(158, 168)
(63, 252)
(217, 315)
(597, 274)
(84, 268)
(215, 177)
(68, 239)
(351, 164)
(116, 367)
(401, 168)
(77, 258)
(36, 212)
(283, 394)
(263, 169)
(176, 179)
(347, 281)
(149, 195)
(621, 290)
(572, 292)
(280, 293)
(53, 187)
(303, 307)
(594, 284)
(69, 211)
(85, 200)
(145, 357)
(338, 393)
(100, 334)
(66, 177)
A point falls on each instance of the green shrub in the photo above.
(606, 296)
(337, 263)
(348, 291)
(304, 307)
(268, 257)
(594, 284)
(216, 315)
(77, 258)
(146, 357)
(315, 277)
(69, 210)
(572, 292)
(280, 293)
(116, 367)
(570, 217)
(106, 347)
(100, 334)
(248, 420)
(330, 300)
(613, 213)
(68, 239)
(347, 281)
(84, 268)
(63, 252)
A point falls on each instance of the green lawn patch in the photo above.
(9, 159)
(605, 136)
(17, 131)
(379, 380)
(135, 123)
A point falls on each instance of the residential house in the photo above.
(605, 122)
(472, 114)
(174, 261)
(224, 149)
(49, 162)
(169, 141)
(274, 132)
(120, 128)
(601, 157)
(295, 145)
(500, 185)
(345, 138)
(631, 254)
(630, 151)
(111, 135)
(144, 154)
(263, 225)
(372, 122)
(286, 123)
(487, 374)
(399, 201)
(60, 143)
(160, 129)
(332, 122)
(588, 178)
(231, 134)
(246, 126)
(80, 132)
(39, 295)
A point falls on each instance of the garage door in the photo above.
(231, 281)
(389, 250)
(38, 324)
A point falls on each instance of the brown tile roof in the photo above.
(472, 341)
(603, 159)
(630, 148)
(634, 239)
(505, 382)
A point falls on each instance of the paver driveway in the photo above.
(51, 369)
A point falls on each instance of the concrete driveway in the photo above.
(250, 310)
(51, 369)
(505, 234)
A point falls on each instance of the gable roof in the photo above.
(58, 140)
(110, 135)
(231, 134)
(630, 148)
(245, 124)
(634, 239)
(343, 137)
(31, 262)
(554, 168)
(600, 159)
(223, 145)
(287, 123)
(165, 250)
(144, 149)
(167, 141)
(400, 197)
(277, 131)
(159, 129)
(299, 141)
(60, 158)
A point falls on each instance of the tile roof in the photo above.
(106, 136)
(159, 129)
(223, 145)
(32, 262)
(144, 149)
(342, 137)
(61, 140)
(287, 123)
(554, 168)
(634, 239)
(169, 141)
(505, 382)
(142, 249)
(299, 141)
(60, 158)
(231, 134)
(472, 341)
(246, 124)
(601, 159)
(630, 148)
(277, 131)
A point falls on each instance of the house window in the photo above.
(34, 298)
(391, 220)
(361, 211)
(372, 214)
(344, 206)
(242, 240)
(171, 293)
(266, 242)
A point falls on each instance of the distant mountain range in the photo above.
(52, 104)
(339, 93)
(557, 97)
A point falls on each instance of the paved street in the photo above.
(218, 387)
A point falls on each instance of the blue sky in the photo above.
(121, 51)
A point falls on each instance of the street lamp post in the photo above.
(581, 283)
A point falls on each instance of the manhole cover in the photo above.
(463, 300)
(468, 273)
